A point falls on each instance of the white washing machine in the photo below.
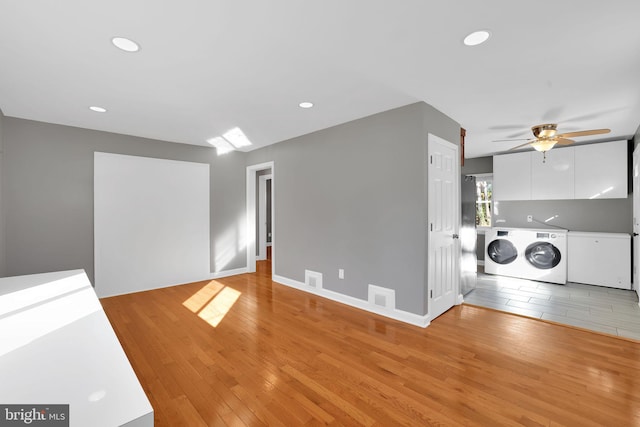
(527, 253)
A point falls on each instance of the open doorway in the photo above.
(263, 225)
(260, 229)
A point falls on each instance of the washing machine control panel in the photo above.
(546, 235)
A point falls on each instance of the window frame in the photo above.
(484, 177)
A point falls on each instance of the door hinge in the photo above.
(431, 227)
(431, 294)
(431, 159)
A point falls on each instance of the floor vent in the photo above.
(382, 297)
(313, 279)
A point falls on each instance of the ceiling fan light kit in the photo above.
(546, 137)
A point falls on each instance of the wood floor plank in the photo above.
(272, 355)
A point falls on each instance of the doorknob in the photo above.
(455, 236)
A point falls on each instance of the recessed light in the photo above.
(125, 44)
(306, 104)
(98, 109)
(477, 37)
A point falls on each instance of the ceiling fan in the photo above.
(546, 137)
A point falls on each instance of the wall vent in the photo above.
(313, 279)
(382, 297)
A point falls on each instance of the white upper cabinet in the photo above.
(594, 171)
(512, 176)
(601, 171)
(554, 178)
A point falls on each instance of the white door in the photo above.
(443, 225)
(636, 220)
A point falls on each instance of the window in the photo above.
(484, 191)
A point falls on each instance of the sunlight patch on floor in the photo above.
(212, 302)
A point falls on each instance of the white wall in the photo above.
(2, 239)
(151, 219)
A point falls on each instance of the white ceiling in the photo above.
(208, 66)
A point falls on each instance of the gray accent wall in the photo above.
(48, 199)
(477, 165)
(354, 197)
(2, 228)
(607, 216)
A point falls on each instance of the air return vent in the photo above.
(313, 279)
(382, 297)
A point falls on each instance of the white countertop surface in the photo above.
(600, 235)
(58, 347)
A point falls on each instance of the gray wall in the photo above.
(2, 233)
(354, 197)
(48, 183)
(613, 215)
(477, 165)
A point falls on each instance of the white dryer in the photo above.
(527, 254)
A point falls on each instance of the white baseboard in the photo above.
(226, 273)
(403, 316)
(480, 262)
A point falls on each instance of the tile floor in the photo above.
(613, 311)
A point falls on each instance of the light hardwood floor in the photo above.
(245, 351)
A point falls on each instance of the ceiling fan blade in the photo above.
(583, 133)
(564, 141)
(522, 145)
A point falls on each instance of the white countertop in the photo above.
(58, 347)
(599, 235)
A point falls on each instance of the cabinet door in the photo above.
(601, 171)
(512, 176)
(553, 179)
(602, 259)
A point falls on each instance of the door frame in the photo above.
(456, 221)
(635, 245)
(251, 213)
(262, 216)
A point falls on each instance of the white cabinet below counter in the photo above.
(602, 259)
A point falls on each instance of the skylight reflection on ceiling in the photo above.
(221, 144)
(237, 138)
(230, 141)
